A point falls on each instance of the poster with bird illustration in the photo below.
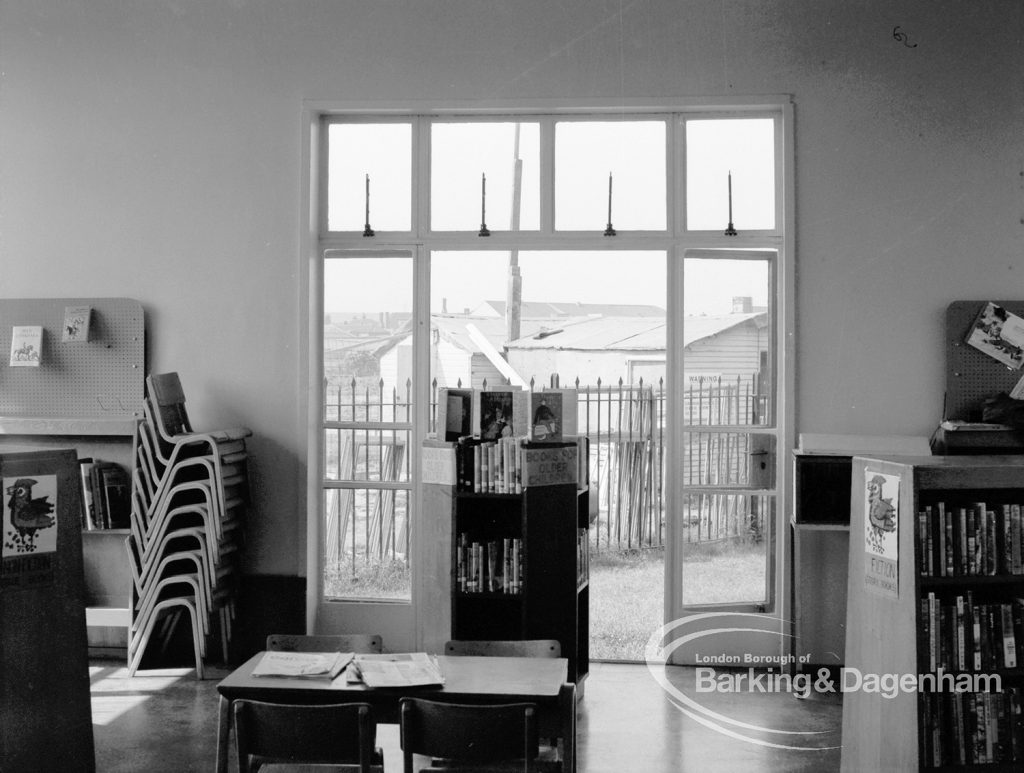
(29, 527)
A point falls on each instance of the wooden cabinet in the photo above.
(820, 530)
(519, 569)
(930, 607)
(45, 721)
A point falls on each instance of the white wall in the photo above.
(151, 150)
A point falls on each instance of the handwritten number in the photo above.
(902, 37)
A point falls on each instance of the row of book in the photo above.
(106, 495)
(972, 728)
(489, 466)
(975, 539)
(968, 636)
(509, 464)
(495, 566)
(582, 557)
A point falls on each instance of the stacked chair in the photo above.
(189, 496)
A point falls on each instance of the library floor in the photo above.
(166, 720)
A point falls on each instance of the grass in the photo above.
(627, 591)
(388, 579)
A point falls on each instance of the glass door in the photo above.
(724, 476)
(368, 453)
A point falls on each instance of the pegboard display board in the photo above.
(83, 383)
(971, 375)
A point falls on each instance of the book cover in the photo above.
(501, 413)
(546, 413)
(76, 324)
(454, 413)
(26, 346)
(999, 334)
(116, 489)
(88, 508)
(568, 420)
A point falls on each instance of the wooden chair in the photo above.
(527, 648)
(279, 737)
(470, 737)
(356, 642)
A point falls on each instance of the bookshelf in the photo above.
(902, 616)
(538, 587)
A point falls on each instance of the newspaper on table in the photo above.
(400, 669)
(302, 665)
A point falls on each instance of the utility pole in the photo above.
(514, 293)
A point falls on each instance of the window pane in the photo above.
(728, 459)
(367, 394)
(381, 151)
(461, 154)
(727, 333)
(746, 149)
(366, 542)
(726, 538)
(632, 152)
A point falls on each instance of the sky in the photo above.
(604, 172)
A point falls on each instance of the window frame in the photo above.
(675, 240)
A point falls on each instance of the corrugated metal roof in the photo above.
(592, 333)
(454, 328)
(637, 333)
(552, 309)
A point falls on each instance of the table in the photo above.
(468, 679)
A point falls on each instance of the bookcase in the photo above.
(531, 569)
(940, 612)
(529, 577)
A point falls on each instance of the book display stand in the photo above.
(516, 563)
(45, 713)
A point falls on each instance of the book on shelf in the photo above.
(500, 413)
(546, 415)
(972, 728)
(970, 540)
(106, 494)
(494, 566)
(302, 665)
(964, 635)
(454, 413)
(565, 401)
(85, 466)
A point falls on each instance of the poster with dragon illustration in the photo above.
(28, 530)
(881, 533)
